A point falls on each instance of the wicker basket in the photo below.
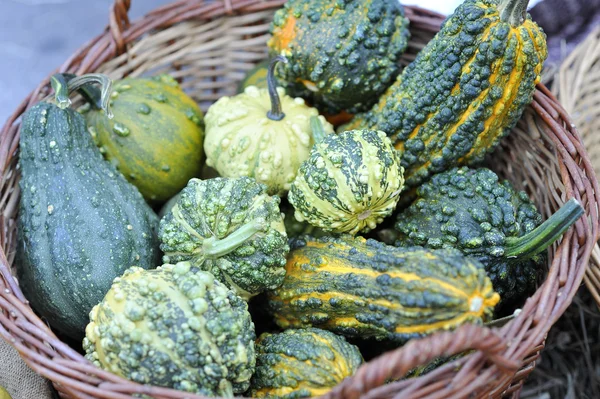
(577, 86)
(207, 46)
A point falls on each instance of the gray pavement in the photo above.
(36, 36)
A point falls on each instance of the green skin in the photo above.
(423, 94)
(470, 210)
(231, 228)
(350, 182)
(307, 359)
(421, 302)
(174, 327)
(80, 225)
(348, 49)
(155, 138)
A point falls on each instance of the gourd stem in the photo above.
(317, 129)
(61, 91)
(215, 248)
(544, 235)
(276, 113)
(92, 95)
(513, 11)
(64, 86)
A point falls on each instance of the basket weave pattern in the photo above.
(208, 46)
(578, 88)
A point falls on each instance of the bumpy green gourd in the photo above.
(81, 224)
(302, 363)
(465, 91)
(350, 182)
(261, 135)
(471, 210)
(175, 327)
(230, 227)
(343, 54)
(155, 138)
(363, 288)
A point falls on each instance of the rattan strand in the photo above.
(577, 86)
(208, 46)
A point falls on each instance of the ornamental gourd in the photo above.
(302, 363)
(465, 91)
(174, 327)
(363, 288)
(81, 224)
(343, 54)
(250, 135)
(230, 227)
(488, 220)
(350, 182)
(155, 138)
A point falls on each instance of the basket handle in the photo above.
(119, 22)
(396, 364)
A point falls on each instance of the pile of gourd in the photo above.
(382, 231)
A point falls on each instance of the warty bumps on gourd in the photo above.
(176, 327)
(366, 289)
(261, 133)
(465, 91)
(302, 363)
(230, 227)
(343, 53)
(488, 220)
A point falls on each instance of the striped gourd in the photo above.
(465, 91)
(363, 288)
(349, 183)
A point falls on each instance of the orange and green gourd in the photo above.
(155, 138)
(364, 288)
(465, 91)
(343, 54)
(302, 363)
(261, 133)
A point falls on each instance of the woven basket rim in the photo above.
(503, 356)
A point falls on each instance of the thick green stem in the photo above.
(317, 129)
(513, 11)
(276, 113)
(64, 85)
(537, 241)
(215, 248)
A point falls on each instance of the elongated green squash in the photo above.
(465, 91)
(363, 288)
(81, 224)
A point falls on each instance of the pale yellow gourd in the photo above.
(250, 135)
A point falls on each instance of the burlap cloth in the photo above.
(18, 379)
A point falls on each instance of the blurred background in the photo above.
(37, 36)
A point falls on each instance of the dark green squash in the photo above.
(366, 289)
(302, 363)
(487, 219)
(81, 224)
(343, 54)
(465, 91)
